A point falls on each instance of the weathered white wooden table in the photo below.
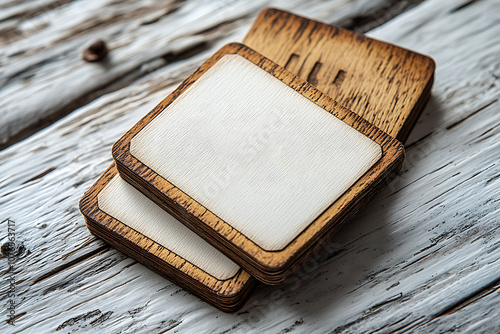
(422, 257)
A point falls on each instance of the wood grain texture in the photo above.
(385, 84)
(271, 267)
(421, 257)
(197, 273)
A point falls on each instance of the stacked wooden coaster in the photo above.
(256, 158)
(120, 215)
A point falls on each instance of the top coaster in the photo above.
(385, 84)
(255, 160)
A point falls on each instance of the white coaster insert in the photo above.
(126, 204)
(255, 152)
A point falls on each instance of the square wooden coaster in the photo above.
(120, 215)
(256, 160)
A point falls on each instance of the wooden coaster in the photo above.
(256, 160)
(123, 217)
(385, 84)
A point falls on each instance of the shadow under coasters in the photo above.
(256, 160)
(123, 217)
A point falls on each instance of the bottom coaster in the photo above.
(126, 219)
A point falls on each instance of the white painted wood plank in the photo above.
(427, 242)
(43, 76)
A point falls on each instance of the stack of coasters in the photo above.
(255, 159)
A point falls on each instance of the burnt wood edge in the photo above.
(115, 233)
(416, 112)
(122, 155)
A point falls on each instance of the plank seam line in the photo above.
(71, 264)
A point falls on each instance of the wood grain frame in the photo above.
(271, 267)
(227, 295)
